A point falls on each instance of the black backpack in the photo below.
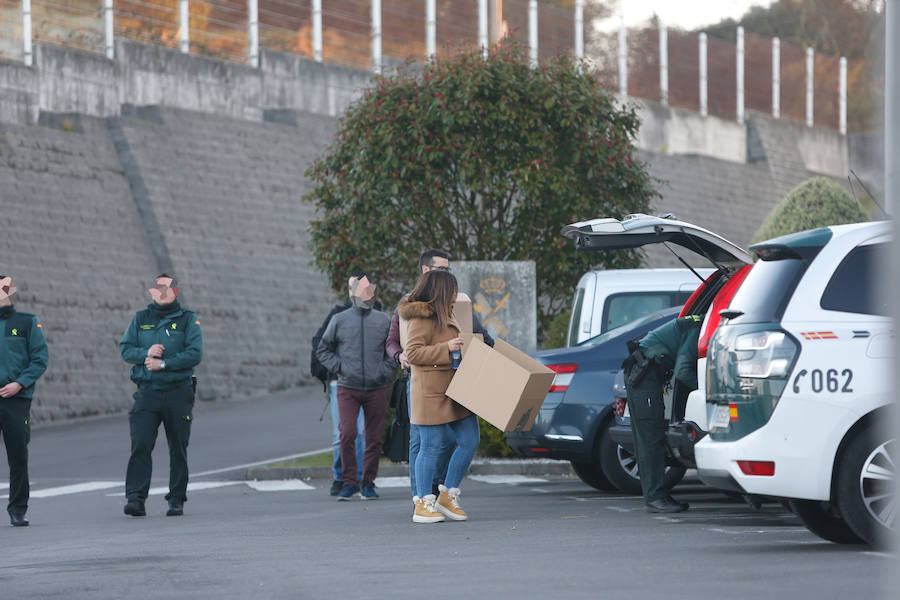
(316, 368)
(396, 440)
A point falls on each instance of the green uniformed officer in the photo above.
(672, 346)
(23, 358)
(164, 343)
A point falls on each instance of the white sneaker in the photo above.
(425, 512)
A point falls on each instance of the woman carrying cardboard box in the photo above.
(433, 334)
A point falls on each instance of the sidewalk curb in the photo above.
(479, 467)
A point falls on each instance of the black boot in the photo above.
(176, 509)
(18, 520)
(666, 504)
(135, 508)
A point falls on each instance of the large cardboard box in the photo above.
(462, 310)
(502, 385)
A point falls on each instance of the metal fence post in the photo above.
(430, 29)
(483, 28)
(376, 37)
(108, 34)
(533, 32)
(842, 97)
(623, 59)
(740, 74)
(703, 75)
(663, 64)
(776, 78)
(184, 43)
(809, 86)
(317, 30)
(26, 31)
(253, 31)
(579, 30)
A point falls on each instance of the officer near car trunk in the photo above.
(23, 359)
(670, 347)
(164, 343)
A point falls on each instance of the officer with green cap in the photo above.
(670, 347)
(164, 343)
(23, 358)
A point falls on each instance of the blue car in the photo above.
(575, 418)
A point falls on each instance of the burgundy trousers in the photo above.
(374, 405)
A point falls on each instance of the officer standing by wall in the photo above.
(164, 343)
(23, 358)
(672, 346)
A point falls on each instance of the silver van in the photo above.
(608, 299)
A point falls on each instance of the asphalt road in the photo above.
(531, 538)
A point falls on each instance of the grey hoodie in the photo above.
(353, 348)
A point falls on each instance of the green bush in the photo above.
(493, 442)
(817, 202)
(555, 334)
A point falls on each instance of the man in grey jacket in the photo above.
(353, 347)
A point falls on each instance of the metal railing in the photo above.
(680, 69)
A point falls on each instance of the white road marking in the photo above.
(756, 531)
(620, 509)
(392, 482)
(285, 485)
(261, 462)
(540, 490)
(75, 488)
(510, 479)
(192, 487)
(4, 485)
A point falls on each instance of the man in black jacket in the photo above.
(353, 347)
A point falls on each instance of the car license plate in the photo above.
(721, 416)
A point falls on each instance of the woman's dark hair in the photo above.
(437, 289)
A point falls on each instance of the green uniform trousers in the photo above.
(174, 409)
(648, 426)
(16, 430)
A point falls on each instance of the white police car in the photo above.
(799, 384)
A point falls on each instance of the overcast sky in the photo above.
(687, 14)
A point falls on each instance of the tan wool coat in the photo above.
(429, 356)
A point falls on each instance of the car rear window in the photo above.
(621, 309)
(852, 287)
(767, 289)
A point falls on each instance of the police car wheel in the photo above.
(821, 519)
(866, 479)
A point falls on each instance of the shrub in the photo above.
(493, 442)
(817, 202)
(487, 159)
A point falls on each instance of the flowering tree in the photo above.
(487, 159)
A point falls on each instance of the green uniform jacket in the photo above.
(23, 350)
(178, 332)
(674, 346)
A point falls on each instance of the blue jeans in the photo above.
(440, 473)
(336, 436)
(437, 440)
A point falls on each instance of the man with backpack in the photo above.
(329, 383)
(353, 346)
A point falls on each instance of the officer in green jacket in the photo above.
(164, 343)
(23, 358)
(670, 347)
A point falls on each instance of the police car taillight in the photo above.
(763, 354)
(565, 372)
